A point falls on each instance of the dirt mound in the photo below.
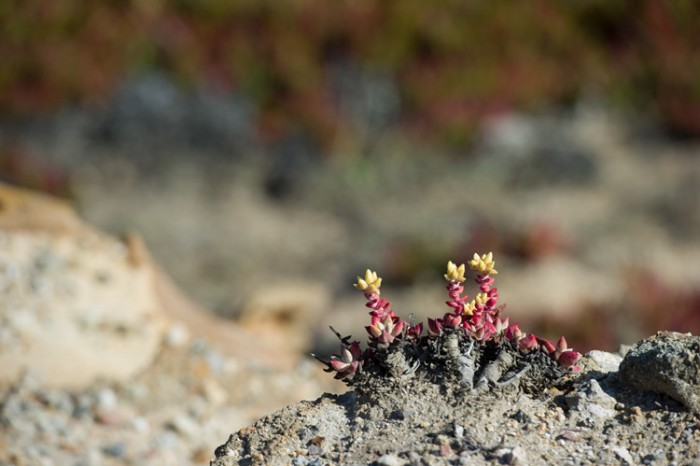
(591, 418)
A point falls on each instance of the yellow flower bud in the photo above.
(455, 273)
(470, 307)
(484, 264)
(370, 283)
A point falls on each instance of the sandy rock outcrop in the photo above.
(79, 305)
(76, 305)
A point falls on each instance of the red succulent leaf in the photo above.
(450, 320)
(569, 358)
(434, 326)
(513, 332)
(561, 345)
(528, 343)
(338, 365)
(547, 345)
(414, 331)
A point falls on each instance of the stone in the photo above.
(389, 460)
(667, 363)
(623, 454)
(592, 402)
(74, 307)
(603, 361)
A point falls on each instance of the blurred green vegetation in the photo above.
(454, 63)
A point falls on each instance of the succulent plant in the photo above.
(478, 321)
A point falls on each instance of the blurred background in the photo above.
(269, 152)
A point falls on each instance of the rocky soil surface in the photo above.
(599, 416)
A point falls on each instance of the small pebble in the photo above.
(623, 454)
(315, 450)
(140, 424)
(513, 456)
(389, 460)
(112, 417)
(214, 392)
(177, 335)
(115, 450)
(446, 450)
(106, 399)
(184, 425)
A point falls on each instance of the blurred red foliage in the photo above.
(453, 65)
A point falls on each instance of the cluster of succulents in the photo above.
(478, 321)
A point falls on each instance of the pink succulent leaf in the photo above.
(373, 331)
(450, 320)
(456, 305)
(338, 365)
(513, 332)
(385, 339)
(569, 358)
(399, 328)
(434, 326)
(547, 345)
(528, 343)
(355, 350)
(574, 369)
(501, 325)
(561, 345)
(414, 331)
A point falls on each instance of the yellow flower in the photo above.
(454, 273)
(370, 283)
(470, 307)
(484, 264)
(481, 299)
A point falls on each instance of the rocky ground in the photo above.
(174, 413)
(603, 415)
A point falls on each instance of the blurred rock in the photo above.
(75, 307)
(79, 305)
(288, 310)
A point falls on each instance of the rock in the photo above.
(113, 416)
(177, 335)
(115, 450)
(79, 305)
(667, 363)
(517, 456)
(603, 361)
(389, 460)
(184, 425)
(74, 307)
(623, 454)
(591, 401)
(107, 399)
